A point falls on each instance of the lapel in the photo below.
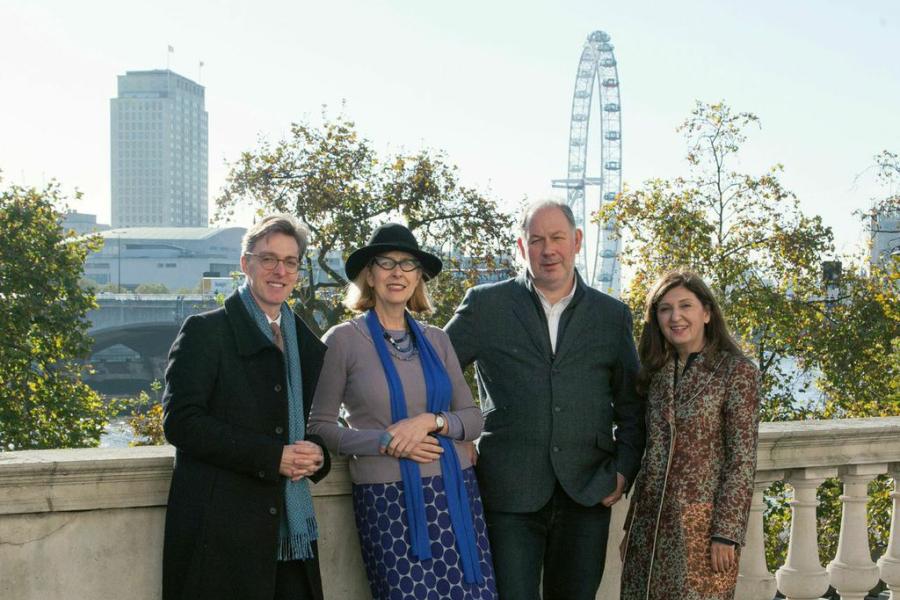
(523, 306)
(697, 377)
(575, 320)
(247, 336)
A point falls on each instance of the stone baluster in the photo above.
(802, 577)
(852, 571)
(889, 564)
(755, 582)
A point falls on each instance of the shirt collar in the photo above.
(562, 302)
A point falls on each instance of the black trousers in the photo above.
(564, 540)
(299, 579)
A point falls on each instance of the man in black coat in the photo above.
(228, 389)
(564, 429)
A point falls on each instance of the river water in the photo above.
(117, 434)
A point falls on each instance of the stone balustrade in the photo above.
(88, 523)
(804, 454)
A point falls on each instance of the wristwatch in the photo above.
(439, 422)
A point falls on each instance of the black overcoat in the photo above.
(226, 412)
(549, 417)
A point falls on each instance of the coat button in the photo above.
(273, 510)
(277, 387)
(262, 474)
(279, 430)
(556, 448)
(556, 409)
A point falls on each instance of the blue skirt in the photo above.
(393, 572)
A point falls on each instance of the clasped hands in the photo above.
(410, 439)
(300, 459)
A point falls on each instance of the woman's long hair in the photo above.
(654, 350)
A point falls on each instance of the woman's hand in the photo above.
(426, 451)
(722, 556)
(408, 434)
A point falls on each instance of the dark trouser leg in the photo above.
(576, 549)
(299, 579)
(517, 546)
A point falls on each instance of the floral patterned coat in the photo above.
(696, 479)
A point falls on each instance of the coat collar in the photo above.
(691, 384)
(527, 308)
(248, 338)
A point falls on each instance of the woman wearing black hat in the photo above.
(409, 410)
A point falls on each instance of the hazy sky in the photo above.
(489, 82)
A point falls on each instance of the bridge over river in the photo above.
(132, 336)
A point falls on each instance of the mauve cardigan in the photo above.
(352, 375)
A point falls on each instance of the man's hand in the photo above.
(472, 449)
(617, 493)
(301, 459)
(722, 556)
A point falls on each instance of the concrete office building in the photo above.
(159, 153)
(885, 236)
(81, 223)
(177, 257)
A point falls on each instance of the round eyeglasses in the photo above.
(270, 262)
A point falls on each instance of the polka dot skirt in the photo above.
(393, 572)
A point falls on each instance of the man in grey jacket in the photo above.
(564, 429)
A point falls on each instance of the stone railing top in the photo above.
(828, 443)
(92, 478)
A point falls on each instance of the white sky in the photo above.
(490, 82)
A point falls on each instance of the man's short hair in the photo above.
(282, 223)
(540, 205)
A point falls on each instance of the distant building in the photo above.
(82, 223)
(885, 236)
(159, 153)
(178, 258)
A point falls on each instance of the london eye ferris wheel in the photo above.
(598, 260)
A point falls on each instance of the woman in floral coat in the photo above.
(692, 497)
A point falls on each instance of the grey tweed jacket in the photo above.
(573, 416)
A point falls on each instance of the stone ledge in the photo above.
(37, 481)
(801, 444)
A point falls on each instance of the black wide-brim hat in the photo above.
(387, 237)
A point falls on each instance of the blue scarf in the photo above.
(298, 522)
(439, 390)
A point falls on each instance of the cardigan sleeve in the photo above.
(741, 413)
(326, 405)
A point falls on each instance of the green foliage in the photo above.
(146, 417)
(43, 401)
(856, 348)
(332, 179)
(744, 234)
(151, 288)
